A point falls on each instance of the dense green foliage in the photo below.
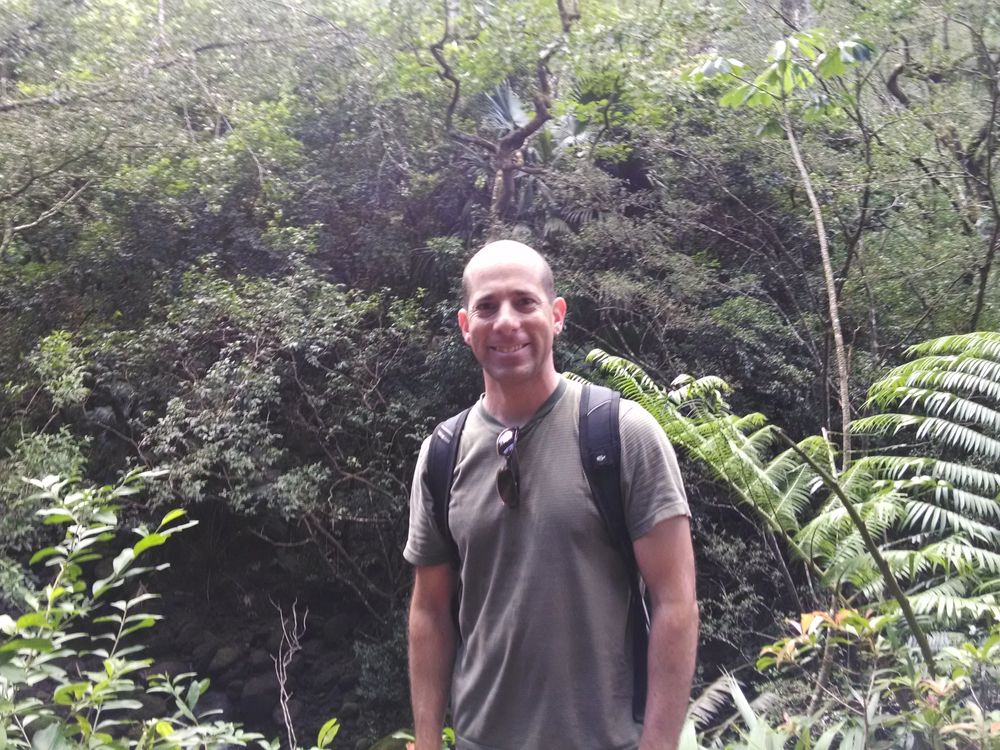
(913, 537)
(231, 236)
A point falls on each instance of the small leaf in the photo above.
(125, 704)
(32, 620)
(153, 540)
(327, 732)
(67, 694)
(163, 728)
(42, 554)
(770, 127)
(193, 694)
(172, 516)
(41, 645)
(47, 738)
(85, 729)
(7, 625)
(123, 560)
(148, 622)
(737, 96)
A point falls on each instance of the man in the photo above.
(540, 659)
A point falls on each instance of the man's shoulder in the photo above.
(636, 420)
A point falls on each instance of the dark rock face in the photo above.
(260, 659)
(349, 711)
(221, 626)
(295, 709)
(215, 700)
(259, 696)
(225, 658)
(204, 652)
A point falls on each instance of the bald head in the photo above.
(506, 251)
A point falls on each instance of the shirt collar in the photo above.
(537, 417)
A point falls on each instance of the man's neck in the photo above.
(514, 404)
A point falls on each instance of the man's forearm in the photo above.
(432, 658)
(673, 643)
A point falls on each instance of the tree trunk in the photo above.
(840, 350)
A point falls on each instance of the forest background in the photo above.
(233, 233)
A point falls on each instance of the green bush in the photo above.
(58, 452)
(70, 672)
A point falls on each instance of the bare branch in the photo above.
(446, 73)
(35, 177)
(290, 645)
(569, 12)
(11, 230)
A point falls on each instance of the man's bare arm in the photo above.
(432, 641)
(666, 561)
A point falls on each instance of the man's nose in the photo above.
(507, 317)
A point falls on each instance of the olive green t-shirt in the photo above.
(544, 660)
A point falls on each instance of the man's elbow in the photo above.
(679, 616)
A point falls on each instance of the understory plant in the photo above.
(880, 697)
(898, 554)
(72, 674)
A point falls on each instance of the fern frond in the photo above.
(618, 367)
(949, 433)
(687, 389)
(892, 467)
(935, 522)
(910, 563)
(884, 425)
(954, 381)
(882, 513)
(955, 553)
(707, 705)
(846, 558)
(929, 517)
(945, 404)
(948, 601)
(979, 344)
(968, 503)
(964, 476)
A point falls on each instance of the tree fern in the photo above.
(934, 508)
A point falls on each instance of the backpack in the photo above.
(600, 452)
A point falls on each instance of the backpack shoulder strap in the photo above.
(441, 459)
(600, 451)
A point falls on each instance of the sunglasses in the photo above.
(508, 475)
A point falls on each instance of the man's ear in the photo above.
(558, 314)
(463, 324)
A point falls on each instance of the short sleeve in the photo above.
(424, 543)
(651, 479)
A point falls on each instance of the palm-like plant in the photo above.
(944, 490)
(925, 514)
(560, 137)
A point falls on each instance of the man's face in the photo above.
(509, 322)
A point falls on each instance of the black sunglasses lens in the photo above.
(506, 442)
(507, 486)
(508, 477)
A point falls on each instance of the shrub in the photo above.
(70, 674)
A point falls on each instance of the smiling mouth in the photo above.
(508, 349)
